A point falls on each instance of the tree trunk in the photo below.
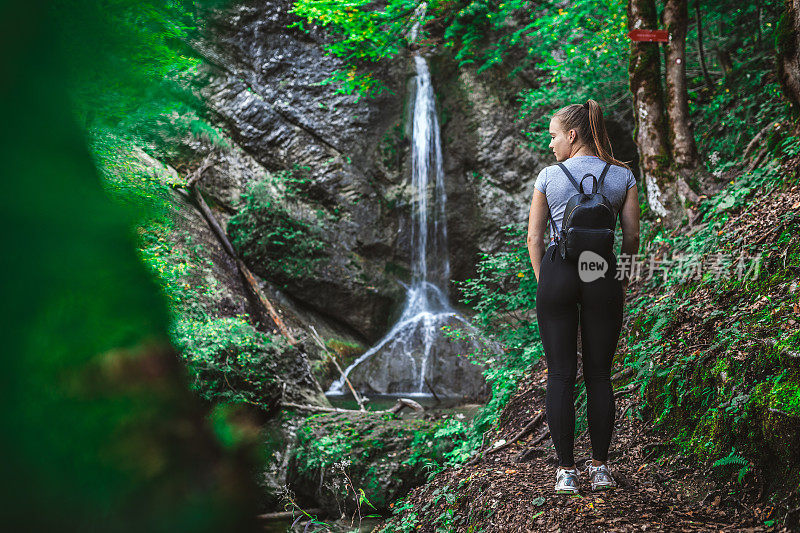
(644, 69)
(700, 50)
(758, 26)
(789, 55)
(685, 161)
(723, 52)
(675, 19)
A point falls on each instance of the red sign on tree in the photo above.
(649, 35)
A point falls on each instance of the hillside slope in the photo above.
(708, 394)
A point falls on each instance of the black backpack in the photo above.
(589, 221)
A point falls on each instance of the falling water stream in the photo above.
(401, 362)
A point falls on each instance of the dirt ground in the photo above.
(658, 489)
(512, 490)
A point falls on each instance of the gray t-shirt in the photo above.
(559, 189)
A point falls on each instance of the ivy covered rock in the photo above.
(216, 322)
(231, 360)
(338, 455)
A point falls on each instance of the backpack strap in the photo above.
(594, 182)
(556, 239)
(552, 225)
(602, 177)
(574, 183)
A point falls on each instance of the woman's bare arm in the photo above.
(537, 220)
(629, 220)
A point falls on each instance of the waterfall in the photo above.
(401, 361)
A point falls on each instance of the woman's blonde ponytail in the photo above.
(588, 121)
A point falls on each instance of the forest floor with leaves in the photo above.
(512, 490)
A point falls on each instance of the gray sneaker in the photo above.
(600, 476)
(567, 481)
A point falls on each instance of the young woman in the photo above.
(563, 301)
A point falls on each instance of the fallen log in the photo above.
(396, 408)
(431, 389)
(318, 340)
(755, 140)
(194, 192)
(322, 408)
(622, 374)
(532, 448)
(283, 515)
(626, 390)
(540, 438)
(405, 402)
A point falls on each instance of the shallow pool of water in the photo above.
(339, 526)
(380, 402)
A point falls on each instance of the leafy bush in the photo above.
(264, 232)
(736, 461)
(584, 54)
(484, 32)
(366, 35)
(230, 360)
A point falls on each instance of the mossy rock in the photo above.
(346, 352)
(381, 454)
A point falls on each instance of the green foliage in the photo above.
(124, 58)
(407, 521)
(184, 273)
(581, 51)
(731, 394)
(706, 402)
(143, 189)
(365, 35)
(730, 119)
(129, 75)
(150, 104)
(390, 145)
(230, 360)
(584, 54)
(503, 298)
(786, 397)
(361, 453)
(484, 32)
(320, 452)
(100, 429)
(294, 182)
(456, 431)
(736, 461)
(446, 521)
(265, 233)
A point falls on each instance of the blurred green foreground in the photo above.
(100, 432)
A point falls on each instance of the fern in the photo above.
(735, 460)
(731, 459)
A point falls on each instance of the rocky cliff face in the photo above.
(262, 84)
(316, 183)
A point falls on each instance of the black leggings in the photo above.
(560, 291)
